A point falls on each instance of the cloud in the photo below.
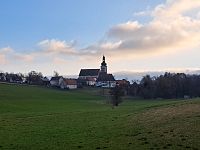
(125, 30)
(2, 59)
(142, 13)
(24, 57)
(57, 46)
(3, 53)
(61, 61)
(198, 15)
(174, 8)
(9, 55)
(6, 50)
(110, 45)
(170, 29)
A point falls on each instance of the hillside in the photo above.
(39, 118)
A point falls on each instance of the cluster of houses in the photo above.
(12, 78)
(58, 82)
(87, 77)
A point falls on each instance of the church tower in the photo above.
(104, 65)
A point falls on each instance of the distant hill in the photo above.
(130, 75)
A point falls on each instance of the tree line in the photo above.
(167, 86)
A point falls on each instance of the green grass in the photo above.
(39, 118)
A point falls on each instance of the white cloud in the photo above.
(142, 13)
(2, 59)
(57, 46)
(198, 15)
(3, 54)
(61, 61)
(6, 50)
(110, 45)
(170, 29)
(24, 57)
(10, 55)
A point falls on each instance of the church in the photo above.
(97, 77)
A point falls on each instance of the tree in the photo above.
(35, 78)
(55, 74)
(147, 87)
(116, 95)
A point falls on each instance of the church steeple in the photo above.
(104, 65)
(104, 58)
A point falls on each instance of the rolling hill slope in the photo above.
(39, 118)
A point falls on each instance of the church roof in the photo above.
(103, 76)
(89, 72)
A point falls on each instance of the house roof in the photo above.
(103, 76)
(14, 77)
(45, 79)
(56, 78)
(2, 74)
(89, 72)
(70, 81)
(123, 82)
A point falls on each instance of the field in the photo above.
(39, 118)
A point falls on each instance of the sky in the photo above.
(67, 35)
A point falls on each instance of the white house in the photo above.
(63, 83)
(70, 83)
(105, 80)
(57, 81)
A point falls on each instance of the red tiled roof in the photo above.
(70, 81)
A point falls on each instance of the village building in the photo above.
(45, 81)
(123, 83)
(63, 83)
(88, 76)
(97, 77)
(2, 77)
(57, 81)
(70, 83)
(14, 78)
(105, 80)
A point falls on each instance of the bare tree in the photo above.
(55, 74)
(116, 95)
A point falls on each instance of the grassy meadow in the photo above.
(37, 118)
